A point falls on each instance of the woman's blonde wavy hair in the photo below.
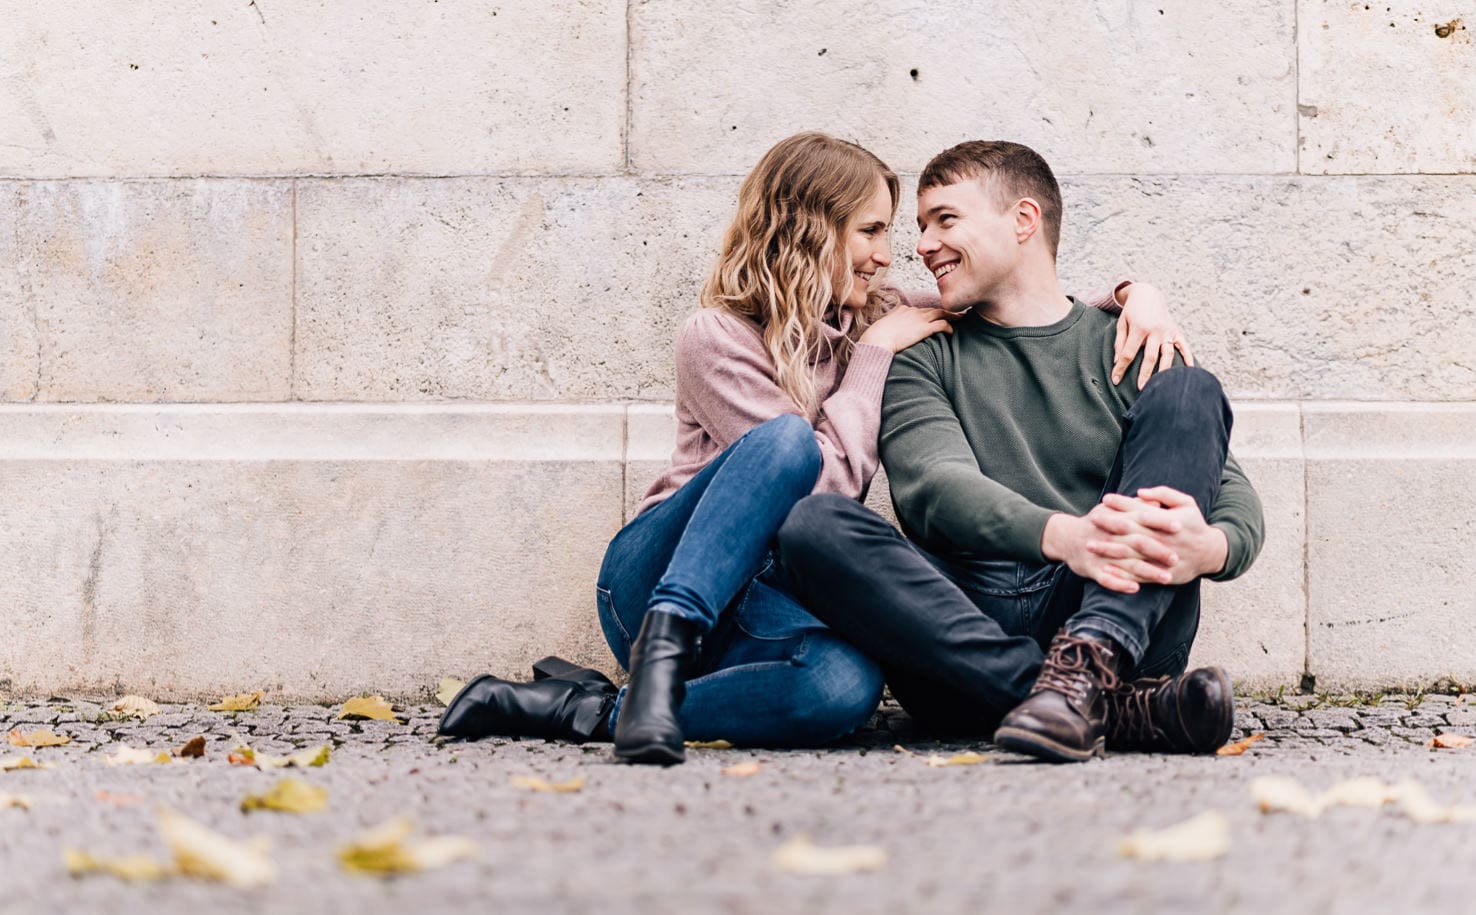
(783, 249)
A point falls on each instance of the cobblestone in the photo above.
(1006, 835)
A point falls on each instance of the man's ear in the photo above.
(1027, 219)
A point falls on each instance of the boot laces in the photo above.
(1070, 665)
(1132, 720)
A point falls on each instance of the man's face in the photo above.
(968, 243)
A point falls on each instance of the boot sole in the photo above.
(1032, 744)
(655, 754)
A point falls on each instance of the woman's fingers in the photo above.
(1184, 350)
(1129, 341)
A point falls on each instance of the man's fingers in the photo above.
(1142, 571)
(1111, 523)
(1152, 551)
(1122, 503)
(1112, 579)
(1161, 520)
(1166, 496)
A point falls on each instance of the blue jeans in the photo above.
(767, 673)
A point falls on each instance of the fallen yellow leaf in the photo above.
(11, 763)
(368, 707)
(15, 800)
(1276, 793)
(957, 759)
(1285, 794)
(1450, 741)
(194, 748)
(533, 783)
(41, 738)
(1420, 807)
(134, 706)
(130, 756)
(1200, 838)
(709, 744)
(200, 852)
(743, 769)
(311, 757)
(387, 849)
(243, 702)
(802, 856)
(130, 867)
(289, 795)
(1239, 746)
(448, 689)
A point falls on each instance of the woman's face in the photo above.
(868, 248)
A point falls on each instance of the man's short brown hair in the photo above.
(1012, 170)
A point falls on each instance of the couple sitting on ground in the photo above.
(1058, 512)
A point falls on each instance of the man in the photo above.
(1044, 504)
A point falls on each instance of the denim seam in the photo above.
(614, 616)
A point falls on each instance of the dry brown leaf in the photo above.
(1200, 838)
(709, 744)
(743, 769)
(448, 689)
(903, 750)
(368, 707)
(533, 783)
(1239, 746)
(1450, 741)
(15, 800)
(130, 756)
(118, 800)
(242, 756)
(135, 707)
(200, 852)
(129, 867)
(41, 738)
(387, 849)
(289, 795)
(11, 763)
(802, 856)
(194, 748)
(957, 759)
(243, 702)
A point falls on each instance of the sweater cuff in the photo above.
(1031, 531)
(866, 374)
(1236, 548)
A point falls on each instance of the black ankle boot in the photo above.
(563, 709)
(647, 730)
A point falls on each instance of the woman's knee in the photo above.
(842, 690)
(791, 441)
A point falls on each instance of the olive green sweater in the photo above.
(988, 431)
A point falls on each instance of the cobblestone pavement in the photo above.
(1005, 835)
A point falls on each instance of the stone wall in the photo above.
(335, 338)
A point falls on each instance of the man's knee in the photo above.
(1181, 393)
(817, 526)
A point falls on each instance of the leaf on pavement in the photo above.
(957, 759)
(1284, 794)
(134, 707)
(1420, 807)
(244, 702)
(11, 763)
(15, 800)
(533, 783)
(118, 800)
(801, 856)
(709, 744)
(311, 757)
(1279, 794)
(1450, 741)
(242, 756)
(1239, 746)
(194, 748)
(448, 689)
(201, 852)
(1200, 838)
(388, 849)
(743, 769)
(129, 867)
(289, 795)
(368, 707)
(131, 756)
(41, 738)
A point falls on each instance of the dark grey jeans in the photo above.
(960, 640)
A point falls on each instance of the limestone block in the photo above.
(1097, 87)
(1386, 87)
(19, 359)
(499, 289)
(1256, 626)
(311, 552)
(1391, 521)
(316, 86)
(1290, 289)
(650, 438)
(153, 291)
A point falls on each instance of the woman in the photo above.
(779, 386)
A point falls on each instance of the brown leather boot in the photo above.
(1064, 719)
(1191, 713)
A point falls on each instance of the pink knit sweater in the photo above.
(726, 385)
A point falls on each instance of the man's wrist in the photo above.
(1055, 540)
(1217, 552)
